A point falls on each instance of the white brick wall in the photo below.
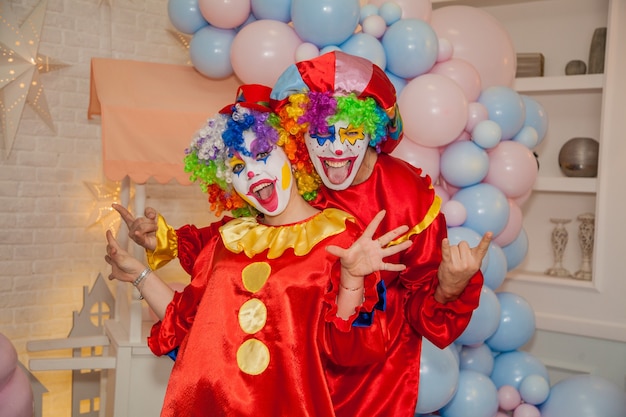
(47, 253)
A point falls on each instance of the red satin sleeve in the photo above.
(168, 334)
(192, 239)
(440, 323)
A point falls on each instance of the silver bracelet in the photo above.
(139, 279)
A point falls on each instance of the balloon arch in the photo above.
(467, 128)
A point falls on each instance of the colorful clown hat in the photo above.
(342, 74)
(251, 96)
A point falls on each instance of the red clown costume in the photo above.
(388, 388)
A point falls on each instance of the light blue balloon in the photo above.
(536, 116)
(325, 22)
(329, 48)
(505, 107)
(510, 368)
(439, 376)
(463, 164)
(477, 358)
(585, 396)
(366, 46)
(367, 11)
(487, 134)
(527, 136)
(516, 251)
(487, 208)
(185, 16)
(411, 46)
(209, 51)
(496, 270)
(476, 396)
(391, 12)
(517, 323)
(484, 321)
(398, 83)
(272, 9)
(534, 389)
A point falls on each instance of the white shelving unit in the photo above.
(590, 105)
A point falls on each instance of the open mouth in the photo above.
(337, 170)
(264, 192)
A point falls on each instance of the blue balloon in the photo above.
(398, 83)
(325, 22)
(505, 107)
(495, 272)
(463, 164)
(517, 323)
(209, 51)
(487, 208)
(516, 251)
(510, 368)
(484, 321)
(390, 12)
(411, 46)
(366, 46)
(185, 16)
(585, 396)
(534, 389)
(439, 376)
(487, 134)
(476, 396)
(272, 9)
(536, 117)
(367, 11)
(527, 136)
(477, 358)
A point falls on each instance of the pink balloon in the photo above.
(521, 200)
(480, 39)
(526, 410)
(8, 360)
(442, 193)
(455, 213)
(512, 168)
(464, 73)
(419, 156)
(476, 113)
(445, 50)
(16, 396)
(434, 110)
(508, 397)
(513, 227)
(411, 9)
(225, 14)
(262, 50)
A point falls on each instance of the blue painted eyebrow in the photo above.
(330, 136)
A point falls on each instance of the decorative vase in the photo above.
(578, 157)
(559, 242)
(585, 238)
(597, 51)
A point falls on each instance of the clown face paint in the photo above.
(338, 154)
(264, 178)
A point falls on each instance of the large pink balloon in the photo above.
(464, 73)
(411, 9)
(434, 110)
(512, 168)
(225, 14)
(513, 226)
(16, 396)
(480, 39)
(262, 50)
(419, 156)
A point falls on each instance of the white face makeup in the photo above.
(263, 179)
(337, 155)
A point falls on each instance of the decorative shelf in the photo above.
(566, 185)
(573, 83)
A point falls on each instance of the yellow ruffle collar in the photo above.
(247, 235)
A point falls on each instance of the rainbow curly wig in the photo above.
(214, 145)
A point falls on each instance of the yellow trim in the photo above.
(247, 235)
(432, 214)
(166, 246)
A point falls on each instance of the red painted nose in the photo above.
(250, 174)
(339, 152)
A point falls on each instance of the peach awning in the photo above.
(149, 112)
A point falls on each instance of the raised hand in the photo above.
(458, 265)
(142, 230)
(124, 266)
(366, 255)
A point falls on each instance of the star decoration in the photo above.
(182, 39)
(20, 70)
(101, 211)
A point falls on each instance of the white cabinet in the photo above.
(583, 105)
